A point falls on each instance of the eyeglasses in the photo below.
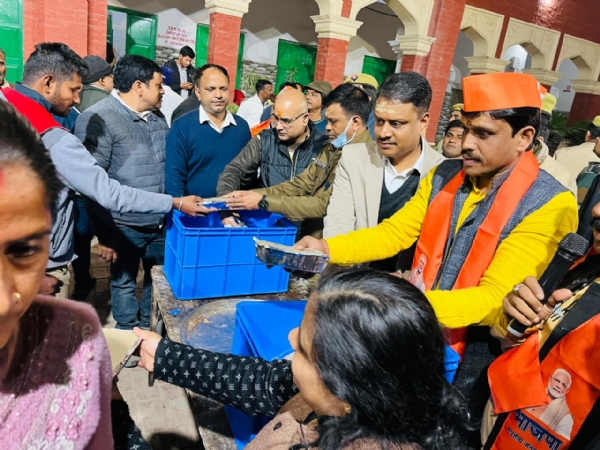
(285, 122)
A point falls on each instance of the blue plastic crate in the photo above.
(451, 362)
(261, 330)
(203, 259)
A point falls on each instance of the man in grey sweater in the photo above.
(128, 140)
(52, 79)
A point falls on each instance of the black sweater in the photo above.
(253, 385)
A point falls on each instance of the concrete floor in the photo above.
(162, 412)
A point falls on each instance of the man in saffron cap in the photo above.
(481, 224)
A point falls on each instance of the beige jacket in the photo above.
(554, 168)
(575, 159)
(289, 429)
(354, 203)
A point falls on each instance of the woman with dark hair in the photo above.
(55, 373)
(368, 365)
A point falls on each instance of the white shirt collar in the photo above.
(229, 120)
(143, 115)
(257, 99)
(418, 165)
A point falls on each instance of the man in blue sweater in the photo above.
(202, 142)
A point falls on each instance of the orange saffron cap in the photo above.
(501, 90)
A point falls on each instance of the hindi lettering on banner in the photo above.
(176, 37)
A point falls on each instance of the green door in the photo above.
(240, 64)
(379, 68)
(295, 62)
(11, 37)
(141, 35)
(109, 30)
(202, 35)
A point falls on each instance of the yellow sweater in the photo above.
(527, 251)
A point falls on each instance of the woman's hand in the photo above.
(150, 341)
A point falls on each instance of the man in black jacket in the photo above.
(183, 72)
(281, 152)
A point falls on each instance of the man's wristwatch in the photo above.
(263, 204)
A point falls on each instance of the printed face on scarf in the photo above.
(559, 384)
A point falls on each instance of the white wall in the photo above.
(562, 89)
(380, 26)
(119, 25)
(267, 21)
(522, 59)
(464, 48)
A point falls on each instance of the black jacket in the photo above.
(189, 104)
(176, 85)
(266, 152)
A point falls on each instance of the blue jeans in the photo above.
(134, 244)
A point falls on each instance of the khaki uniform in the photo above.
(585, 179)
(306, 196)
(557, 170)
(575, 159)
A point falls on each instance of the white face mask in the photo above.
(342, 139)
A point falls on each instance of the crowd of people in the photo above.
(429, 246)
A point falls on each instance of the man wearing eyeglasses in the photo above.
(305, 198)
(277, 154)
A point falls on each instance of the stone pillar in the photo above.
(413, 50)
(586, 104)
(546, 78)
(485, 64)
(399, 55)
(334, 33)
(444, 27)
(224, 39)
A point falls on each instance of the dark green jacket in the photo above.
(90, 95)
(307, 196)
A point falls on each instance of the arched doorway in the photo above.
(518, 57)
(370, 50)
(571, 69)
